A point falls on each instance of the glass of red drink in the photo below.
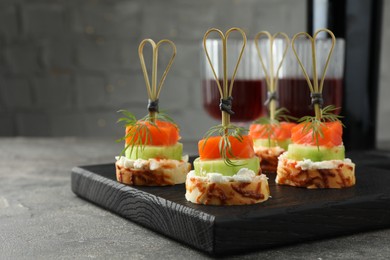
(249, 90)
(293, 90)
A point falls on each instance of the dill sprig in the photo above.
(270, 124)
(314, 125)
(140, 134)
(224, 145)
(281, 114)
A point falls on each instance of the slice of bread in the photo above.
(200, 190)
(336, 174)
(269, 158)
(162, 173)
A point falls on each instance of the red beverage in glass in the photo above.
(294, 94)
(248, 99)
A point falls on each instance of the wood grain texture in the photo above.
(292, 214)
(160, 214)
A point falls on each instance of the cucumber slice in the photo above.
(219, 166)
(300, 152)
(272, 143)
(150, 151)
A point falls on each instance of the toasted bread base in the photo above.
(341, 176)
(201, 191)
(167, 174)
(269, 158)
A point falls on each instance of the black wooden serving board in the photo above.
(292, 214)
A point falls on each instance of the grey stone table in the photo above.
(40, 217)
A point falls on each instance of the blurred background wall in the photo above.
(67, 66)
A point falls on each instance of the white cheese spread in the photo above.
(243, 175)
(151, 164)
(308, 164)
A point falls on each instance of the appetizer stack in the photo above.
(227, 171)
(317, 163)
(316, 156)
(271, 136)
(214, 182)
(152, 154)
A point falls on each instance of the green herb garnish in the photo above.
(140, 131)
(314, 125)
(270, 124)
(224, 145)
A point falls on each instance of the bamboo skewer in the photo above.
(154, 90)
(315, 88)
(271, 77)
(226, 89)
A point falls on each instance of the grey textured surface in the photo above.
(40, 217)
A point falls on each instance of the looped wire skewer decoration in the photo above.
(315, 88)
(271, 77)
(226, 89)
(153, 89)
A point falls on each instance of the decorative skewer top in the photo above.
(271, 77)
(153, 89)
(226, 89)
(315, 88)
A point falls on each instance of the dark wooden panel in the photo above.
(161, 214)
(292, 214)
